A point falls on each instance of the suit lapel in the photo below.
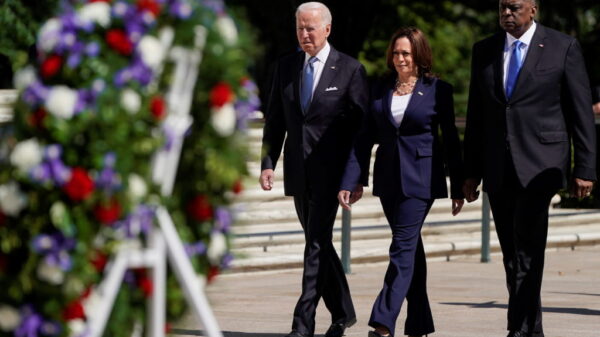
(499, 67)
(387, 103)
(534, 53)
(297, 79)
(329, 72)
(419, 92)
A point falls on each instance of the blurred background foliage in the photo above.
(360, 29)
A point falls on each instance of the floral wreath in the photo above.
(76, 186)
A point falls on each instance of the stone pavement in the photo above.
(468, 298)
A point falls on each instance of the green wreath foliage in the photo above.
(77, 185)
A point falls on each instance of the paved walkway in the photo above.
(468, 298)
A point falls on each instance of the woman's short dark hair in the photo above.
(420, 49)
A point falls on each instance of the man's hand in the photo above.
(266, 179)
(596, 108)
(457, 205)
(470, 189)
(347, 198)
(581, 188)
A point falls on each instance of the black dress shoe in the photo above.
(296, 334)
(337, 329)
(518, 334)
(377, 334)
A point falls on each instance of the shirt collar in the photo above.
(525, 38)
(322, 55)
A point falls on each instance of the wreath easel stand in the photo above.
(163, 241)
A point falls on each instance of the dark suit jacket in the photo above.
(596, 94)
(318, 142)
(549, 108)
(410, 156)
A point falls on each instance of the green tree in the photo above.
(20, 20)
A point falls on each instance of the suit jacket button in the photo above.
(508, 107)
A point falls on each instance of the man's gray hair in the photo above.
(313, 5)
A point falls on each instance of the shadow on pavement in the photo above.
(493, 304)
(187, 332)
(582, 294)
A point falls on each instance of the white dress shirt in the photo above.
(399, 104)
(508, 47)
(319, 64)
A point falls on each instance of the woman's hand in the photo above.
(457, 205)
(347, 198)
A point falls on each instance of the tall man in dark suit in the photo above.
(529, 101)
(318, 98)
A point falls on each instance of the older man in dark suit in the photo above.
(529, 101)
(318, 98)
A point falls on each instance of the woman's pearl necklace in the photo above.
(404, 88)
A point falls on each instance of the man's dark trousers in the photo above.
(521, 220)
(323, 272)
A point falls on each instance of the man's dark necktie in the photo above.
(307, 83)
(514, 66)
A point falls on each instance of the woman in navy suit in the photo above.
(407, 109)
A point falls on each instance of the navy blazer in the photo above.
(410, 158)
(316, 142)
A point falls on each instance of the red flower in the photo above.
(118, 40)
(146, 285)
(220, 94)
(51, 66)
(99, 261)
(237, 187)
(37, 118)
(108, 213)
(149, 5)
(80, 186)
(168, 328)
(157, 107)
(200, 209)
(86, 293)
(74, 310)
(213, 271)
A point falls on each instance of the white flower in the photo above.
(49, 34)
(151, 51)
(227, 29)
(76, 327)
(61, 101)
(97, 12)
(58, 210)
(223, 119)
(9, 318)
(24, 77)
(92, 303)
(26, 155)
(73, 286)
(51, 274)
(137, 187)
(216, 248)
(12, 200)
(131, 101)
(126, 244)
